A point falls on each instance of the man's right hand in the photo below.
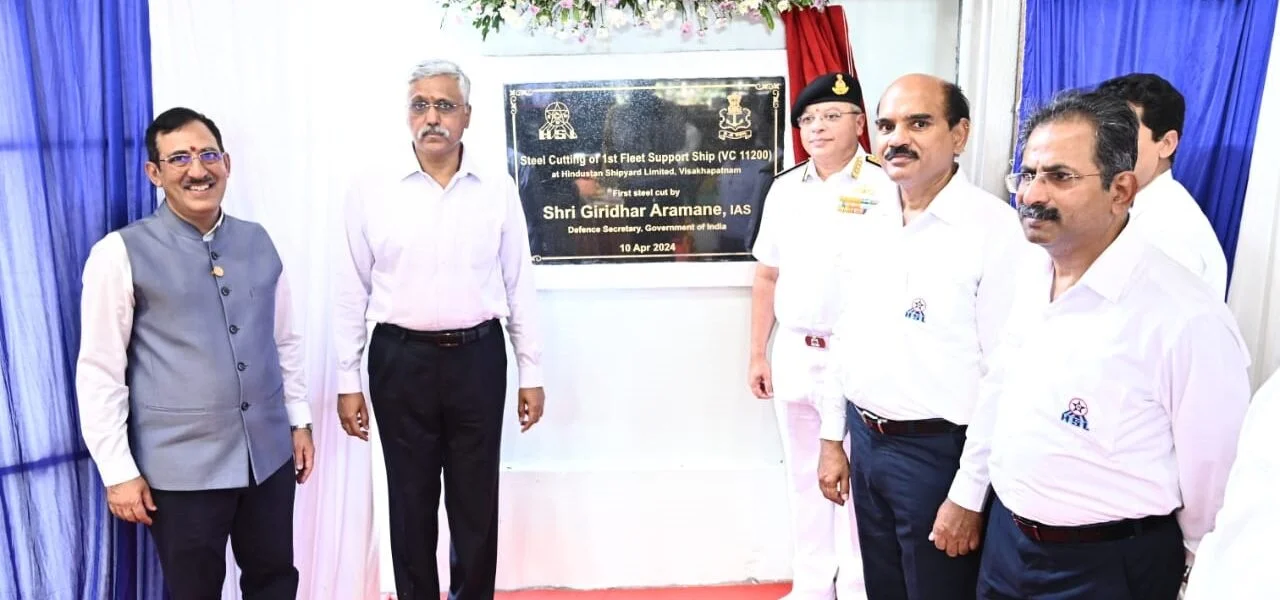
(833, 472)
(354, 415)
(760, 378)
(131, 500)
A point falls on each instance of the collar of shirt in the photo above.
(948, 205)
(811, 172)
(1111, 272)
(408, 166)
(1154, 189)
(209, 236)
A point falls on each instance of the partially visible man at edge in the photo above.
(1163, 211)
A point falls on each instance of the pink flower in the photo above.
(687, 28)
(566, 3)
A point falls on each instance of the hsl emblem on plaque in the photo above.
(735, 121)
(1075, 414)
(557, 126)
(916, 312)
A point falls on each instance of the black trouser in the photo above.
(440, 408)
(898, 484)
(1015, 567)
(191, 529)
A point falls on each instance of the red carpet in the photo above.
(735, 592)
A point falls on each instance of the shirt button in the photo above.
(233, 329)
(241, 366)
(226, 291)
(244, 406)
(213, 255)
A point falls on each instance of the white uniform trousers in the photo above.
(827, 563)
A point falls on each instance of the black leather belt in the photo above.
(884, 426)
(1102, 532)
(444, 339)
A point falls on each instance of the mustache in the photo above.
(433, 130)
(895, 151)
(1039, 212)
(188, 182)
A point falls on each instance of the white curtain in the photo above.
(1254, 294)
(989, 73)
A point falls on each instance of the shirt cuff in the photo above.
(967, 492)
(299, 413)
(349, 382)
(833, 429)
(530, 376)
(118, 472)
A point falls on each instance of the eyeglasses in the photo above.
(830, 117)
(182, 159)
(1019, 182)
(444, 107)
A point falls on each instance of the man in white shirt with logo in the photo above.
(437, 253)
(1109, 421)
(1237, 559)
(804, 223)
(1163, 210)
(925, 287)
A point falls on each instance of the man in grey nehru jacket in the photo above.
(189, 380)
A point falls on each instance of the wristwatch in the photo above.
(297, 427)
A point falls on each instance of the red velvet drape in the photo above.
(817, 44)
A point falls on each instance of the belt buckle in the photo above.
(815, 341)
(1031, 529)
(876, 423)
(448, 344)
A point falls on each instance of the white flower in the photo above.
(783, 5)
(602, 33)
(669, 16)
(655, 23)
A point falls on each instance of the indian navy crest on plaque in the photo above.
(735, 120)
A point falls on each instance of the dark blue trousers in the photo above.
(899, 482)
(1015, 567)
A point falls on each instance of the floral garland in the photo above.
(586, 19)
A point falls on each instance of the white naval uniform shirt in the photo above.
(801, 230)
(921, 306)
(1237, 559)
(1169, 219)
(1120, 399)
(432, 258)
(107, 317)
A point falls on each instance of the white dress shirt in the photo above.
(1236, 559)
(107, 317)
(802, 228)
(1169, 219)
(1122, 398)
(950, 269)
(432, 258)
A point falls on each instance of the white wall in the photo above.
(653, 465)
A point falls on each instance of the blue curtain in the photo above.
(1214, 51)
(75, 99)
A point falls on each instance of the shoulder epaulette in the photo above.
(873, 159)
(796, 166)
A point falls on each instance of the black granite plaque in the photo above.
(644, 170)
